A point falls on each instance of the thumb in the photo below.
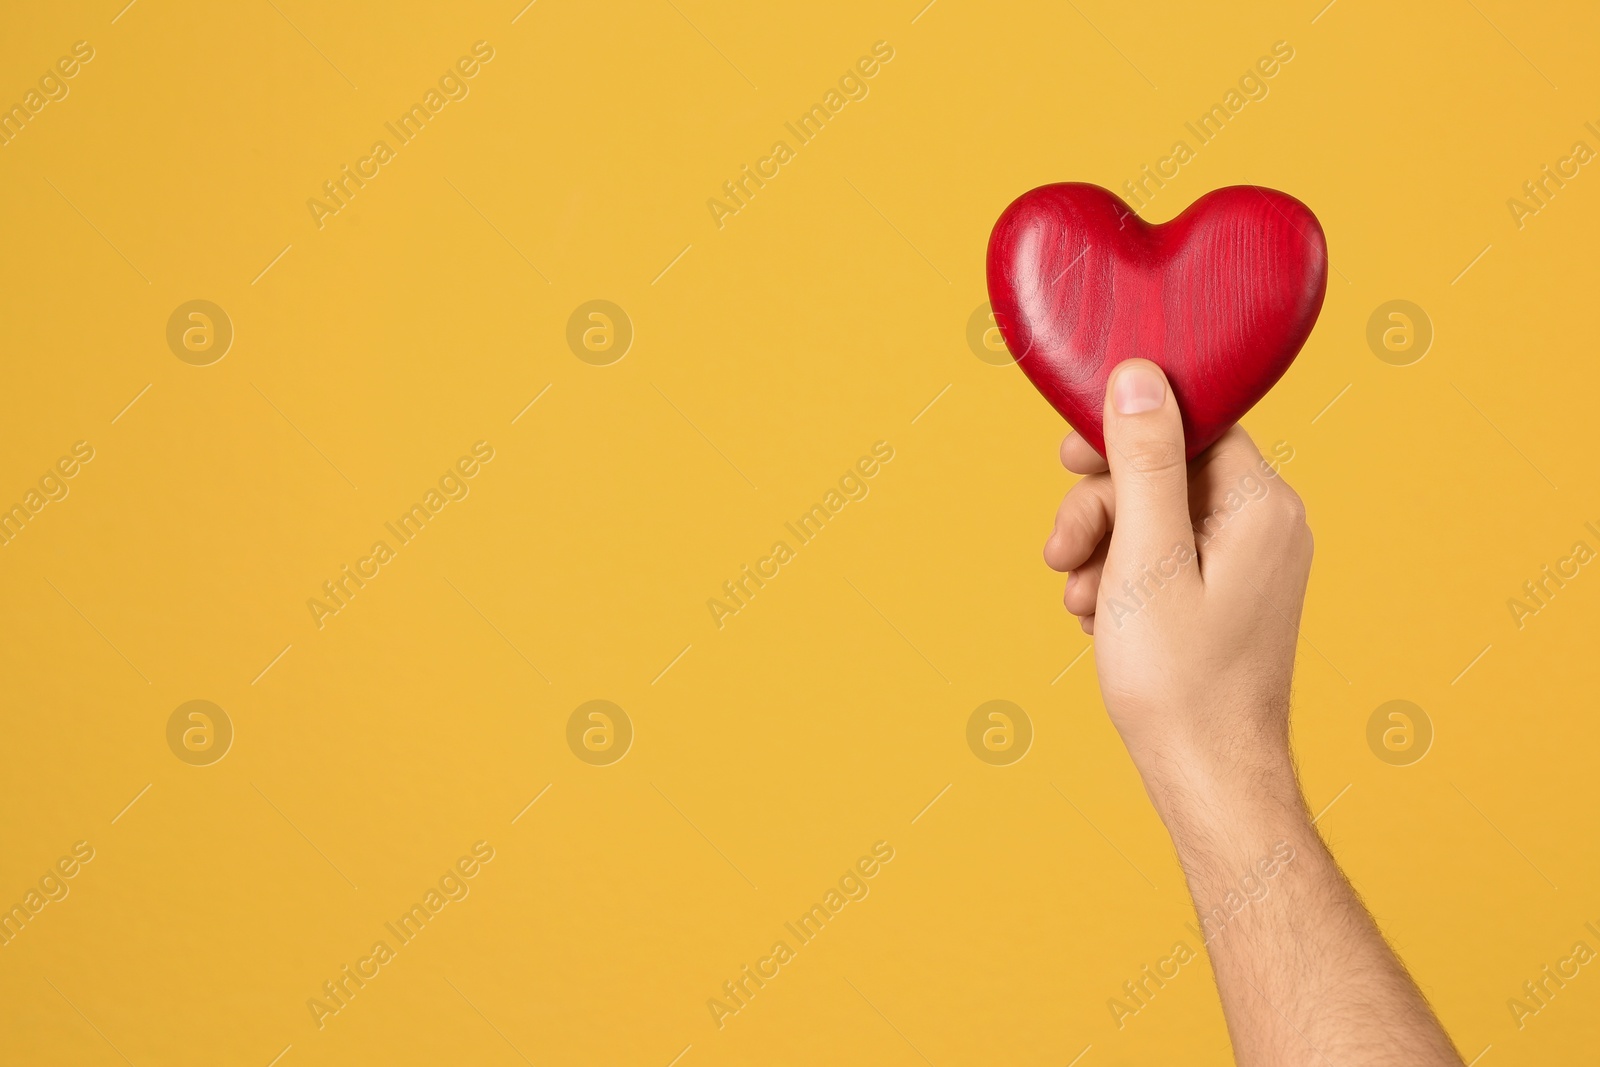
(1149, 473)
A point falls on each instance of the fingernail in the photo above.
(1138, 389)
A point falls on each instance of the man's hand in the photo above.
(1194, 603)
(1191, 580)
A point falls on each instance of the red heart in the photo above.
(1221, 298)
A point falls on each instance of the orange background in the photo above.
(768, 355)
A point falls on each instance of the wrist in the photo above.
(1233, 796)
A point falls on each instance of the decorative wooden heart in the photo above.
(1221, 298)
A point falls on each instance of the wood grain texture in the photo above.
(1222, 297)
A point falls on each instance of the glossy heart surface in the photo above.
(1222, 298)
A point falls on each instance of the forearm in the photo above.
(1304, 974)
(1191, 580)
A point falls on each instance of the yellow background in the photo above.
(773, 353)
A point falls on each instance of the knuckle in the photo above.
(1082, 508)
(1081, 527)
(1235, 454)
(1067, 520)
(1153, 456)
(1293, 510)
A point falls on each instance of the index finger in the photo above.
(1079, 456)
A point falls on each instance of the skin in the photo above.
(1195, 656)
